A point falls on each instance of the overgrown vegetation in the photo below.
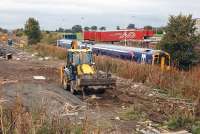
(132, 113)
(181, 120)
(180, 39)
(19, 32)
(50, 37)
(32, 30)
(50, 50)
(176, 83)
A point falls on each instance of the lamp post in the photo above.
(82, 23)
(126, 30)
(125, 35)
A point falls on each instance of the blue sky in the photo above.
(110, 13)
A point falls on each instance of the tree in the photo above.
(60, 29)
(103, 28)
(148, 27)
(118, 27)
(86, 29)
(19, 32)
(32, 30)
(94, 28)
(179, 40)
(77, 28)
(131, 26)
(68, 30)
(2, 30)
(159, 30)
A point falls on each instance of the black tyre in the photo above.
(71, 88)
(65, 84)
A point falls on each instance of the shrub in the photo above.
(179, 122)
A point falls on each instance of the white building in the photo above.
(198, 25)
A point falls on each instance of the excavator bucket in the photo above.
(109, 82)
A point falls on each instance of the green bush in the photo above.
(179, 122)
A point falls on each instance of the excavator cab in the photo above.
(79, 56)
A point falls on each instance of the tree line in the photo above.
(79, 28)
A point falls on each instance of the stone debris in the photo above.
(148, 127)
(46, 58)
(178, 132)
(39, 78)
(95, 97)
(40, 59)
(22, 56)
(70, 110)
(2, 100)
(117, 118)
(6, 81)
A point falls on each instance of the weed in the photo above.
(196, 128)
(179, 122)
(132, 113)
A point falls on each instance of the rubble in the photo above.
(70, 110)
(6, 81)
(39, 78)
(5, 52)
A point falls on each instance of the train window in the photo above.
(156, 59)
(147, 50)
(143, 58)
(167, 60)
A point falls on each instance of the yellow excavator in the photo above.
(80, 73)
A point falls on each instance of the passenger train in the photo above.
(139, 55)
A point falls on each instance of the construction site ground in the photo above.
(131, 108)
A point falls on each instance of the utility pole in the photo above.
(125, 35)
(82, 20)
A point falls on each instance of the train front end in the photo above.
(161, 58)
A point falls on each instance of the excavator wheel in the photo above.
(64, 81)
(65, 84)
(72, 87)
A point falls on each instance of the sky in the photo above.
(53, 14)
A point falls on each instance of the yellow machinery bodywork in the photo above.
(85, 69)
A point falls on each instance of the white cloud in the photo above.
(55, 13)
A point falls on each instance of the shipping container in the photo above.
(118, 35)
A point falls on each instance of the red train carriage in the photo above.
(119, 35)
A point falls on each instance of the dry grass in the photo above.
(176, 83)
(18, 119)
(50, 50)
